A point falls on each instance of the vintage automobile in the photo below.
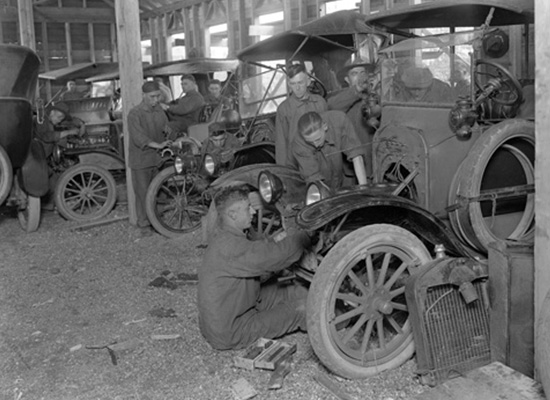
(23, 171)
(90, 166)
(450, 176)
(179, 195)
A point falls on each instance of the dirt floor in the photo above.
(64, 290)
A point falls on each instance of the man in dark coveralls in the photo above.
(185, 111)
(289, 111)
(147, 123)
(350, 100)
(235, 308)
(319, 149)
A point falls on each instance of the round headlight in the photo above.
(178, 165)
(57, 153)
(316, 191)
(209, 164)
(271, 187)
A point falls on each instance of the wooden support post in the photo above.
(46, 57)
(198, 29)
(68, 43)
(287, 14)
(131, 78)
(542, 161)
(187, 30)
(231, 25)
(26, 24)
(243, 27)
(114, 46)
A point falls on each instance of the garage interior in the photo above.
(103, 36)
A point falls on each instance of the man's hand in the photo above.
(255, 200)
(165, 107)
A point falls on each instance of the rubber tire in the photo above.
(150, 201)
(68, 176)
(6, 175)
(542, 344)
(331, 271)
(29, 218)
(468, 221)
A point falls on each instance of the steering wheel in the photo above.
(509, 93)
(317, 87)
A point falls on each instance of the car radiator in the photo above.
(449, 309)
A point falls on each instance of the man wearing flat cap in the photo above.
(185, 111)
(147, 123)
(422, 87)
(350, 100)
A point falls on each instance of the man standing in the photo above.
(146, 125)
(289, 111)
(322, 141)
(350, 100)
(71, 92)
(235, 308)
(185, 111)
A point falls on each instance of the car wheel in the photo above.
(174, 203)
(502, 160)
(6, 175)
(357, 317)
(85, 192)
(29, 217)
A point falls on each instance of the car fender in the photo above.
(255, 153)
(105, 159)
(33, 175)
(367, 209)
(248, 174)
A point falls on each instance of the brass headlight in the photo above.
(209, 164)
(178, 165)
(271, 187)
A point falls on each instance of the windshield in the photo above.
(433, 70)
(262, 90)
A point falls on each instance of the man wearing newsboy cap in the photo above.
(146, 125)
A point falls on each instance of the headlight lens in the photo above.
(271, 187)
(209, 164)
(178, 165)
(316, 191)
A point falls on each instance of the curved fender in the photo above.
(367, 209)
(103, 159)
(255, 153)
(33, 175)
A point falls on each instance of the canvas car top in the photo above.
(179, 67)
(324, 34)
(456, 13)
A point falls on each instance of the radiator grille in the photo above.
(456, 333)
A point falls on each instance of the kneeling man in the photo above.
(235, 308)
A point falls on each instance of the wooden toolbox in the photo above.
(265, 354)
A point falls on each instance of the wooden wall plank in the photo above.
(131, 77)
(542, 161)
(26, 24)
(74, 14)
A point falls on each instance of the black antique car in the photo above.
(450, 176)
(23, 170)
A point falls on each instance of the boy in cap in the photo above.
(185, 111)
(147, 124)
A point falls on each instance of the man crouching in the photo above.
(235, 308)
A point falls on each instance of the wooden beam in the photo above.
(74, 14)
(188, 31)
(231, 25)
(243, 27)
(131, 78)
(91, 36)
(287, 14)
(68, 43)
(542, 161)
(46, 57)
(26, 24)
